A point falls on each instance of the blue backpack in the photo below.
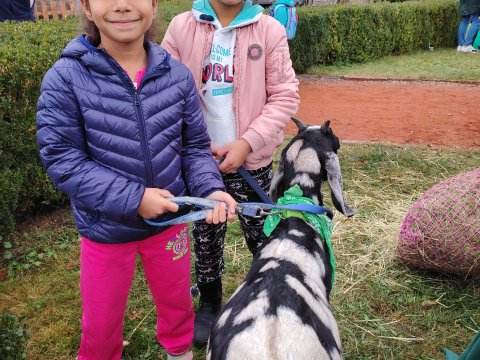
(292, 18)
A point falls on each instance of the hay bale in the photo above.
(441, 231)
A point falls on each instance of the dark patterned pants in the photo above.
(209, 239)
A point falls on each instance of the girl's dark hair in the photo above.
(93, 34)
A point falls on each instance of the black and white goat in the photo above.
(282, 309)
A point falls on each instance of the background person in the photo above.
(17, 10)
(241, 63)
(469, 25)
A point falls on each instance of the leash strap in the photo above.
(205, 204)
(191, 217)
(252, 209)
(254, 185)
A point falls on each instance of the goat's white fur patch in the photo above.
(307, 161)
(293, 150)
(222, 319)
(318, 288)
(303, 179)
(319, 308)
(277, 338)
(254, 309)
(319, 243)
(296, 232)
(286, 249)
(270, 265)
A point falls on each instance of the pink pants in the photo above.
(106, 274)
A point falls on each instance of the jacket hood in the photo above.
(250, 13)
(99, 60)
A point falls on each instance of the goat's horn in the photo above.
(299, 124)
(325, 126)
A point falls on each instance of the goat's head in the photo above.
(309, 159)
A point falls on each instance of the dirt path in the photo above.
(402, 112)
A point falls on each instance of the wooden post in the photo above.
(55, 9)
(63, 9)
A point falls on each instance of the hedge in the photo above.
(357, 33)
(27, 51)
(326, 35)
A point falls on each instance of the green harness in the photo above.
(321, 223)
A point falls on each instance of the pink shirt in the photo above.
(139, 77)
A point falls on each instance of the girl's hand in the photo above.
(214, 152)
(155, 203)
(219, 213)
(235, 154)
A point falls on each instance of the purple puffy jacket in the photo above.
(103, 142)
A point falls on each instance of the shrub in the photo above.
(361, 32)
(13, 338)
(27, 51)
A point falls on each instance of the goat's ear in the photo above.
(325, 126)
(301, 126)
(334, 176)
(275, 192)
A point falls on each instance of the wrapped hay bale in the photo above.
(441, 231)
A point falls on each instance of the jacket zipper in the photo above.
(205, 52)
(141, 121)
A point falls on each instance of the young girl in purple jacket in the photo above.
(241, 63)
(120, 130)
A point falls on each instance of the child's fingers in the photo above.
(171, 206)
(222, 212)
(215, 215)
(165, 193)
(209, 217)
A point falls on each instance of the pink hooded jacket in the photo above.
(265, 93)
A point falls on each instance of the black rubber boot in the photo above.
(210, 304)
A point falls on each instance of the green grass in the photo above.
(440, 64)
(384, 309)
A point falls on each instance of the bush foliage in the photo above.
(326, 35)
(338, 34)
(13, 338)
(27, 51)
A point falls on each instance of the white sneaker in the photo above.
(467, 49)
(459, 48)
(187, 356)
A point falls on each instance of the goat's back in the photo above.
(281, 310)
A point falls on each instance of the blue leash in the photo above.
(254, 185)
(251, 209)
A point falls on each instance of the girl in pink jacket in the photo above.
(241, 63)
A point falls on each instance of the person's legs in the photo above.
(473, 29)
(166, 261)
(462, 30)
(208, 246)
(106, 273)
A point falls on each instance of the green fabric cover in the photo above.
(321, 223)
(471, 353)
